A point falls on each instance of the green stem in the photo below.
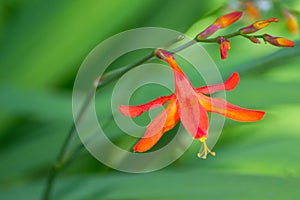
(79, 147)
(62, 157)
(64, 154)
(184, 46)
(117, 73)
(215, 39)
(59, 162)
(231, 35)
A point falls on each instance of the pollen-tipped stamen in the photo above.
(205, 150)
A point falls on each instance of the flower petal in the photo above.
(134, 111)
(228, 110)
(165, 121)
(192, 115)
(202, 130)
(228, 85)
(188, 106)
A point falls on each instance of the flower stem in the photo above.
(65, 154)
(59, 163)
(117, 73)
(215, 39)
(63, 157)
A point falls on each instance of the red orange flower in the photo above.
(224, 47)
(278, 41)
(220, 22)
(190, 105)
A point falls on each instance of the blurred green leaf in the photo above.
(38, 104)
(275, 59)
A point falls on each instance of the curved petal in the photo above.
(228, 85)
(202, 130)
(165, 121)
(189, 107)
(134, 111)
(228, 110)
(192, 115)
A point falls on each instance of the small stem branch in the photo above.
(231, 35)
(117, 73)
(184, 46)
(215, 39)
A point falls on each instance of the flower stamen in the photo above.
(205, 150)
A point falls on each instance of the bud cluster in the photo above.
(228, 19)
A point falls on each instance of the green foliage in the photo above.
(42, 44)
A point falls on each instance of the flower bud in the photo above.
(278, 41)
(220, 22)
(254, 40)
(228, 19)
(256, 26)
(224, 47)
(208, 31)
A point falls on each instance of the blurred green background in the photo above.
(42, 45)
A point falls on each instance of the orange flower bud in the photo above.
(257, 26)
(228, 19)
(263, 23)
(278, 41)
(220, 22)
(224, 47)
(208, 31)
